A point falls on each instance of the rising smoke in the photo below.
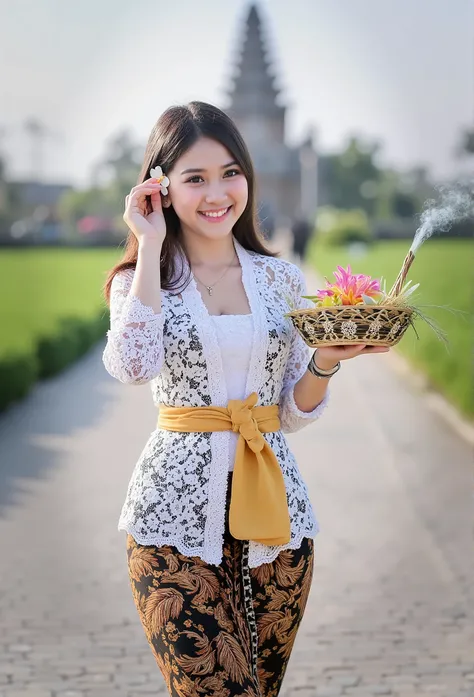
(454, 204)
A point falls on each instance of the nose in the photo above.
(216, 193)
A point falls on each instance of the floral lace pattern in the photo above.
(134, 351)
(177, 491)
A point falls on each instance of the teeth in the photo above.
(216, 215)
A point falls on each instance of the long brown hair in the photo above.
(176, 130)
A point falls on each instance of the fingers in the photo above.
(364, 348)
(156, 202)
(376, 349)
(145, 190)
(353, 350)
(136, 199)
(148, 182)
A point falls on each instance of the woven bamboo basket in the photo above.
(373, 325)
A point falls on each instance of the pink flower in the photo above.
(349, 288)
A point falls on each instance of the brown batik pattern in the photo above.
(222, 630)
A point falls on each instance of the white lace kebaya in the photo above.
(177, 492)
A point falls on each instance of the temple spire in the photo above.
(253, 91)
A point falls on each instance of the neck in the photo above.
(207, 253)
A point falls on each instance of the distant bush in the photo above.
(17, 376)
(340, 227)
(52, 354)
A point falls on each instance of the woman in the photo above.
(219, 524)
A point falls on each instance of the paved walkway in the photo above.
(391, 611)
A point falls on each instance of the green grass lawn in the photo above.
(445, 271)
(38, 286)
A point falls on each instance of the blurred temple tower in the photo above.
(287, 178)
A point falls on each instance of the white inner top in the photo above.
(234, 335)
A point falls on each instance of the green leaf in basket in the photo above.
(314, 298)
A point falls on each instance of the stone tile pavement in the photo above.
(391, 610)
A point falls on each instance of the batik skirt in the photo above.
(222, 630)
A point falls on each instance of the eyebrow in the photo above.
(188, 171)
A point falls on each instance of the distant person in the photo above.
(301, 232)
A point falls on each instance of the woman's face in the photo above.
(211, 197)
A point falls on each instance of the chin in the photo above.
(218, 234)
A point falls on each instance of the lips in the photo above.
(215, 218)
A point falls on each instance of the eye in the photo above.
(191, 179)
(231, 172)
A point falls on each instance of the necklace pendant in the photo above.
(209, 288)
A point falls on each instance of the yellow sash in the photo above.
(258, 505)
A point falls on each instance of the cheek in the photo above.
(240, 191)
(185, 200)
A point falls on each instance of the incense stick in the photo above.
(398, 285)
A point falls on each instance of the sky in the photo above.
(397, 72)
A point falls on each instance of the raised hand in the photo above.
(143, 224)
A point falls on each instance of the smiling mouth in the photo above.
(215, 215)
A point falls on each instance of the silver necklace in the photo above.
(209, 288)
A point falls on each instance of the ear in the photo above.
(166, 202)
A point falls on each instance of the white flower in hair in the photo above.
(157, 173)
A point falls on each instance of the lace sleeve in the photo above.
(134, 349)
(293, 419)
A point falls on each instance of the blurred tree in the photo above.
(112, 178)
(335, 226)
(121, 163)
(3, 176)
(39, 134)
(401, 194)
(4, 201)
(96, 202)
(78, 204)
(3, 185)
(404, 205)
(388, 186)
(10, 204)
(351, 179)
